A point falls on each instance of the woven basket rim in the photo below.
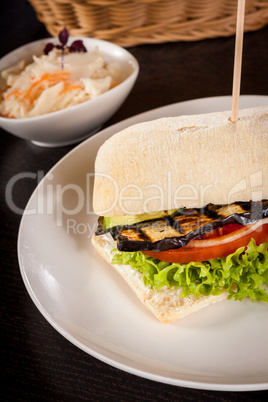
(134, 22)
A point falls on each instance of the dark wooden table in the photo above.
(37, 362)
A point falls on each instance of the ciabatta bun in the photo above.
(166, 304)
(185, 161)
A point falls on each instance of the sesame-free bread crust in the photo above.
(186, 161)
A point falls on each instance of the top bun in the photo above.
(186, 161)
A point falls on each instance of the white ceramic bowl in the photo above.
(77, 122)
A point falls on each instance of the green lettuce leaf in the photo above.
(243, 273)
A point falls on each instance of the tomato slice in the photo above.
(217, 245)
(221, 231)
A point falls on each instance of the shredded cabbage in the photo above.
(243, 273)
(43, 87)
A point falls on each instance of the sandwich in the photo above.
(182, 205)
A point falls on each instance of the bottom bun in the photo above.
(165, 304)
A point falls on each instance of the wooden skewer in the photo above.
(238, 59)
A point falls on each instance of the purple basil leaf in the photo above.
(77, 46)
(63, 36)
(48, 48)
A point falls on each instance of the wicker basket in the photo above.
(134, 22)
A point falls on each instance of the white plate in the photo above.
(222, 347)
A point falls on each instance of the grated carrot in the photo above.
(114, 84)
(70, 88)
(15, 92)
(49, 78)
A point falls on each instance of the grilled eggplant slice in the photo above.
(176, 230)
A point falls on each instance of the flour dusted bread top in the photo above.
(185, 161)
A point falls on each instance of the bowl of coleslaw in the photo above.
(59, 98)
